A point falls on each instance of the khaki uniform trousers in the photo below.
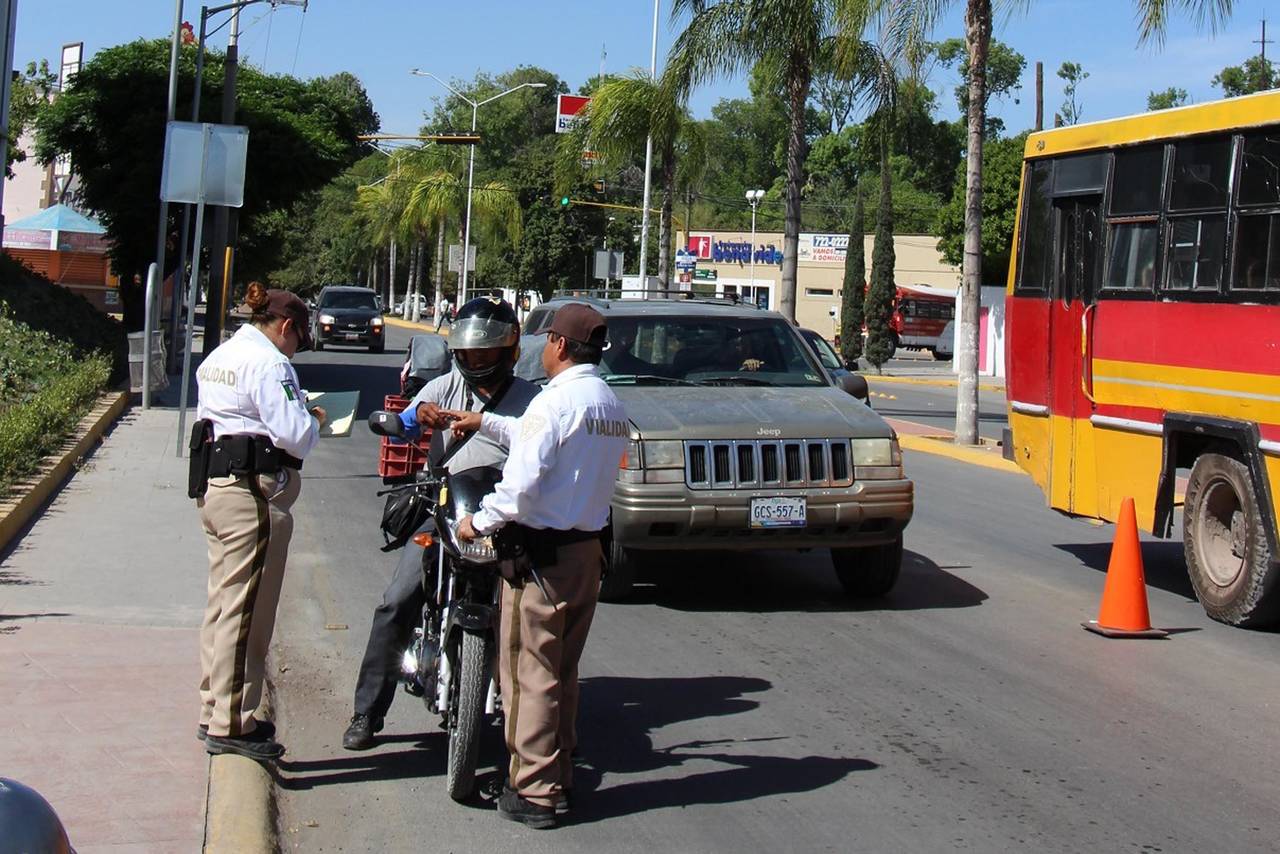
(539, 646)
(248, 526)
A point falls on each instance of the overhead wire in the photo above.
(298, 47)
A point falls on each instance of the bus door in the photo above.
(1079, 246)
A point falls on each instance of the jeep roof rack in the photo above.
(605, 295)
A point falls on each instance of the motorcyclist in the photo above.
(485, 345)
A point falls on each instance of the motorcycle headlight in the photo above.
(327, 318)
(873, 452)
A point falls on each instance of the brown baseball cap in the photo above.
(582, 323)
(281, 303)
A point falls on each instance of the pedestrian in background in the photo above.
(442, 313)
(554, 498)
(253, 431)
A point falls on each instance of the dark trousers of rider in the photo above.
(393, 623)
(540, 642)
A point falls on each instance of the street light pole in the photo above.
(754, 197)
(471, 166)
(648, 161)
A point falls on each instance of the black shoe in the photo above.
(512, 807)
(264, 728)
(252, 746)
(359, 734)
(564, 802)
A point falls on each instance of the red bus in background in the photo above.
(920, 313)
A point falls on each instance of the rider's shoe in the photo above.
(512, 807)
(360, 732)
(563, 802)
(266, 729)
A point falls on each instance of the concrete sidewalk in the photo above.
(100, 608)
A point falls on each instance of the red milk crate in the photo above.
(401, 459)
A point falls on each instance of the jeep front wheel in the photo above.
(870, 571)
(620, 574)
(1225, 544)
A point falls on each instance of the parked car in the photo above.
(740, 440)
(424, 306)
(348, 315)
(826, 354)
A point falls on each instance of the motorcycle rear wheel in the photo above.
(464, 730)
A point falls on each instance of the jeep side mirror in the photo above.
(387, 424)
(855, 385)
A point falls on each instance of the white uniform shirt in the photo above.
(565, 453)
(247, 386)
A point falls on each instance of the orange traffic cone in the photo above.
(1123, 613)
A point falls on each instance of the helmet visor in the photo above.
(474, 333)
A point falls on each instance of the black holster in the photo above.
(201, 447)
(521, 549)
(237, 456)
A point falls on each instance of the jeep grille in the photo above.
(795, 463)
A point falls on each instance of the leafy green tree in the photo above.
(30, 94)
(787, 40)
(1001, 176)
(881, 341)
(1004, 69)
(853, 295)
(111, 118)
(1074, 74)
(1169, 98)
(1255, 74)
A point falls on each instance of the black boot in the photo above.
(253, 746)
(512, 807)
(360, 732)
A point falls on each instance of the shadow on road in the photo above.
(1162, 561)
(618, 716)
(374, 381)
(760, 582)
(425, 759)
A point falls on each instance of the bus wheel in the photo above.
(1228, 558)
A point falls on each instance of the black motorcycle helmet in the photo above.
(483, 323)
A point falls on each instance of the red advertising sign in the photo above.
(567, 109)
(700, 246)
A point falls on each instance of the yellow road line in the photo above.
(408, 324)
(965, 454)
(942, 383)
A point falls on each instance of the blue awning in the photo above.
(58, 218)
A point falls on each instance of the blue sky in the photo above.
(380, 40)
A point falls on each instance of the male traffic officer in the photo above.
(556, 485)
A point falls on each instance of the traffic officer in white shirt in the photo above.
(555, 490)
(252, 432)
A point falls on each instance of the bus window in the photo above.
(1084, 173)
(1257, 255)
(1135, 189)
(1132, 266)
(1195, 254)
(1200, 171)
(1260, 170)
(1037, 229)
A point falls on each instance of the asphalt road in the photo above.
(936, 406)
(741, 703)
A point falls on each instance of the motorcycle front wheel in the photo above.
(472, 680)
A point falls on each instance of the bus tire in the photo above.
(1228, 557)
(868, 572)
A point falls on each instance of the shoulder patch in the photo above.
(290, 390)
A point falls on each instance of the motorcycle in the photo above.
(448, 662)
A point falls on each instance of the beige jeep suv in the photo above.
(740, 440)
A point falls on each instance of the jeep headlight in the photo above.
(663, 454)
(875, 452)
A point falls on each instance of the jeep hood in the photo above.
(748, 412)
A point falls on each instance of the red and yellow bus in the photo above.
(1143, 330)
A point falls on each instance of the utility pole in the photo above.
(648, 162)
(1264, 41)
(219, 259)
(8, 24)
(1039, 96)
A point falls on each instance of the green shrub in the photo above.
(32, 299)
(35, 427)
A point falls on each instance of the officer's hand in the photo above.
(466, 533)
(752, 365)
(432, 416)
(463, 422)
(319, 414)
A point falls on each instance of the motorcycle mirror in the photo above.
(386, 424)
(855, 385)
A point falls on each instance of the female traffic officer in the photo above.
(254, 431)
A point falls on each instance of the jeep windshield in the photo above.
(747, 351)
(349, 300)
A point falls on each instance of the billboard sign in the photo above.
(567, 109)
(700, 246)
(823, 248)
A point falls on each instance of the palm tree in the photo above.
(911, 21)
(623, 111)
(380, 206)
(787, 39)
(440, 195)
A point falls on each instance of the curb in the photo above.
(15, 513)
(241, 811)
(942, 383)
(986, 456)
(409, 324)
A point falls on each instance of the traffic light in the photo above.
(564, 201)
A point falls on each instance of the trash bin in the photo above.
(159, 379)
